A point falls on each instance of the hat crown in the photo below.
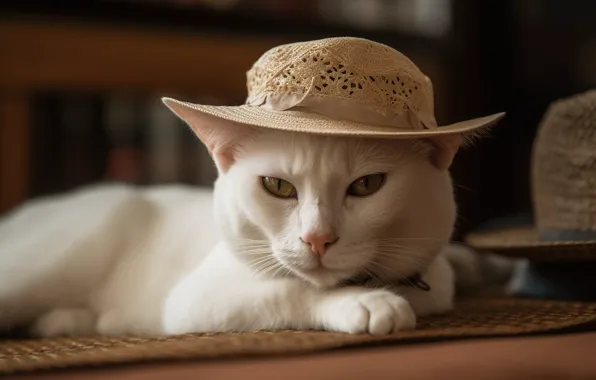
(353, 71)
(564, 168)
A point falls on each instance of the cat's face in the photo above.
(327, 208)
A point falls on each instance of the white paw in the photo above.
(377, 312)
(64, 322)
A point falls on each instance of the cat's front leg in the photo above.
(288, 304)
(222, 296)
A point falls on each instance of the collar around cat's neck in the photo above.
(414, 281)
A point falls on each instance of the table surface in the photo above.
(569, 356)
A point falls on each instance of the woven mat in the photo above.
(471, 318)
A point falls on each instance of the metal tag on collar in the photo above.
(416, 281)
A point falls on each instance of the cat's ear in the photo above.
(444, 149)
(222, 138)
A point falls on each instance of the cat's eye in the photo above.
(279, 187)
(367, 185)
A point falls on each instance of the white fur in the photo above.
(115, 259)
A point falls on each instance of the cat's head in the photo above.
(328, 208)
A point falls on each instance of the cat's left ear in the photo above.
(445, 147)
(222, 138)
(444, 150)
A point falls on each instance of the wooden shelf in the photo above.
(42, 56)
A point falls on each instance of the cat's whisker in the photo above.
(247, 241)
(254, 252)
(273, 264)
(378, 268)
(407, 238)
(267, 268)
(260, 260)
(288, 272)
(402, 252)
(401, 277)
(405, 247)
(280, 267)
(369, 273)
(396, 254)
(405, 260)
(250, 249)
(260, 269)
(376, 273)
(395, 247)
(252, 246)
(414, 243)
(409, 247)
(392, 246)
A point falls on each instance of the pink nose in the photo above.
(319, 242)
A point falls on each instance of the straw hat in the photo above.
(337, 86)
(563, 189)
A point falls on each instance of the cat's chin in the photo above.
(322, 277)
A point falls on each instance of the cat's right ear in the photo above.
(222, 138)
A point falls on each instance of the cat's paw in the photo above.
(64, 322)
(377, 312)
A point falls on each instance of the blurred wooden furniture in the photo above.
(39, 55)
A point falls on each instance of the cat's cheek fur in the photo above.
(243, 207)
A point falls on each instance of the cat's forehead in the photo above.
(302, 153)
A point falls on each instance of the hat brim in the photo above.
(523, 241)
(297, 121)
(475, 317)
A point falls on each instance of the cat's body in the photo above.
(116, 259)
(101, 249)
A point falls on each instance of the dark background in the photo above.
(79, 82)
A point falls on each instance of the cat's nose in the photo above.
(319, 242)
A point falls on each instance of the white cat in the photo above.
(291, 219)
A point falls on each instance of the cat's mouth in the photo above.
(320, 269)
(313, 267)
(317, 272)
(320, 274)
